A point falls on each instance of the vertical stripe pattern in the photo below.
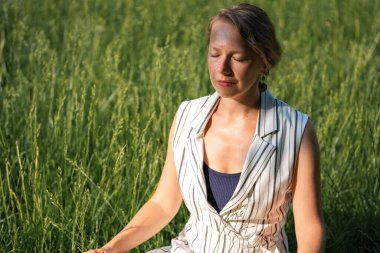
(253, 219)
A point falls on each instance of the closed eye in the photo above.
(240, 59)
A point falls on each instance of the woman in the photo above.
(237, 158)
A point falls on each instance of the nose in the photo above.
(224, 66)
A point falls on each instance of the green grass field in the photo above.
(88, 90)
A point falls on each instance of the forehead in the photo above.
(224, 33)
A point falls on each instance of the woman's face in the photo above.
(233, 67)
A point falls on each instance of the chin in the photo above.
(226, 93)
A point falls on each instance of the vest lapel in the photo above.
(268, 121)
(258, 155)
(194, 145)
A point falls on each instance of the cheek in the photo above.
(239, 71)
(211, 67)
(248, 72)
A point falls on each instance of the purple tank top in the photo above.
(220, 186)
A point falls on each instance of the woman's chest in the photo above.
(225, 148)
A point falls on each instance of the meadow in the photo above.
(88, 91)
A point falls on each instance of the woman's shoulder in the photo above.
(196, 104)
(186, 113)
(287, 113)
(200, 101)
(287, 109)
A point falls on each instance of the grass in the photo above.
(88, 90)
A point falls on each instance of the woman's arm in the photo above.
(158, 211)
(307, 208)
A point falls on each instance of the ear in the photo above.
(264, 70)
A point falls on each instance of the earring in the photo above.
(262, 85)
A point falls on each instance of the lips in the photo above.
(225, 83)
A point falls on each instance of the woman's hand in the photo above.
(100, 250)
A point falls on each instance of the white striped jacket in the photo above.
(253, 220)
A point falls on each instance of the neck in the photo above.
(235, 108)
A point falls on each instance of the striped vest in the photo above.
(253, 220)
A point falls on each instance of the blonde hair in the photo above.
(255, 28)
